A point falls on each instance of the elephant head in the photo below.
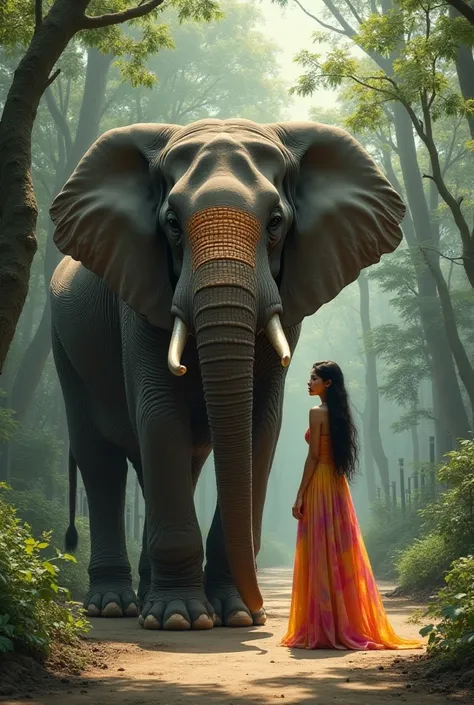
(223, 229)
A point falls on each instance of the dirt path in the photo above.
(239, 666)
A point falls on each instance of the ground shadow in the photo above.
(357, 686)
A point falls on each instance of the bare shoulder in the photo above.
(317, 415)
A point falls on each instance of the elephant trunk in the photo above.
(225, 318)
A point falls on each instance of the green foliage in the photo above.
(145, 37)
(453, 606)
(385, 535)
(381, 33)
(448, 524)
(220, 69)
(415, 43)
(132, 43)
(34, 607)
(45, 515)
(452, 515)
(16, 23)
(8, 425)
(421, 565)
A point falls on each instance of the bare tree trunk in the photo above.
(18, 208)
(465, 71)
(28, 314)
(418, 232)
(369, 466)
(372, 386)
(34, 359)
(464, 7)
(465, 369)
(416, 446)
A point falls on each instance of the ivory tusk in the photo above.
(177, 343)
(278, 339)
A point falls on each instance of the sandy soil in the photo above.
(238, 666)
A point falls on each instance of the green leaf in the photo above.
(427, 630)
(6, 644)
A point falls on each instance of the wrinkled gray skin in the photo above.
(323, 210)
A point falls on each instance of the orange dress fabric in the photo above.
(335, 600)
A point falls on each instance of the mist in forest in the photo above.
(403, 332)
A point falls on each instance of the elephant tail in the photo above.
(72, 537)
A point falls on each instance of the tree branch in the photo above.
(53, 77)
(323, 24)
(447, 162)
(354, 11)
(384, 139)
(464, 8)
(391, 95)
(38, 15)
(143, 8)
(49, 192)
(453, 260)
(59, 119)
(348, 30)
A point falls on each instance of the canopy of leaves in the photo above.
(132, 43)
(226, 68)
(422, 42)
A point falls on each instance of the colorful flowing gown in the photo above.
(335, 600)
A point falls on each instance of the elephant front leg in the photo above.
(176, 598)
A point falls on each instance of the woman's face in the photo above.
(315, 384)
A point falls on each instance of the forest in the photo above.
(399, 76)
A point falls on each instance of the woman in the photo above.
(335, 601)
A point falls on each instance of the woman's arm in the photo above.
(315, 420)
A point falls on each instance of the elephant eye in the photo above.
(274, 223)
(173, 223)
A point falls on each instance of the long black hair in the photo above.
(341, 425)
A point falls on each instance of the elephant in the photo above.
(192, 254)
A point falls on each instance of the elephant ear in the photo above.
(347, 216)
(106, 218)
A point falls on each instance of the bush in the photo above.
(34, 607)
(51, 516)
(44, 515)
(452, 515)
(453, 636)
(448, 524)
(385, 536)
(422, 565)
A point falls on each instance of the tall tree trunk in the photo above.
(27, 318)
(465, 8)
(433, 327)
(18, 207)
(372, 386)
(34, 359)
(416, 446)
(465, 369)
(369, 466)
(429, 319)
(465, 71)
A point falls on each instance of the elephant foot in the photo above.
(111, 599)
(230, 609)
(186, 609)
